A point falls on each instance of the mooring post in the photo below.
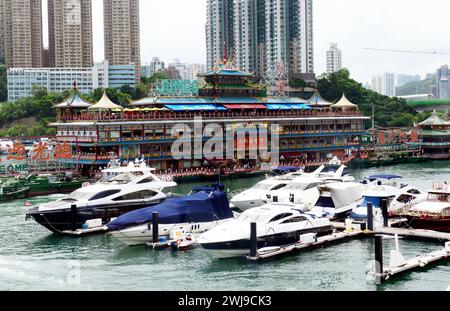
(384, 209)
(253, 238)
(155, 227)
(73, 218)
(379, 257)
(369, 216)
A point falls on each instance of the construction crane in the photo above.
(409, 51)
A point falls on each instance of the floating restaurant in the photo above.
(308, 129)
(435, 133)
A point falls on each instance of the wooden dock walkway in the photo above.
(415, 263)
(338, 237)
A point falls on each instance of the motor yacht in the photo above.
(336, 199)
(277, 225)
(104, 200)
(433, 213)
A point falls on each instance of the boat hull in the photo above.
(58, 221)
(435, 224)
(143, 234)
(239, 248)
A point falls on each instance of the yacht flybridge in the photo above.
(134, 188)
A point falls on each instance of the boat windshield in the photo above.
(122, 179)
(301, 186)
(261, 186)
(252, 217)
(77, 196)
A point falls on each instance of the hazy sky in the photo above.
(175, 29)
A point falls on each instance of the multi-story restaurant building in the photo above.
(334, 58)
(70, 33)
(22, 80)
(261, 34)
(122, 33)
(309, 129)
(23, 33)
(435, 133)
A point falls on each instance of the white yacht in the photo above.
(304, 189)
(336, 200)
(277, 225)
(104, 200)
(260, 193)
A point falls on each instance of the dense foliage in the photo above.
(389, 111)
(417, 87)
(15, 117)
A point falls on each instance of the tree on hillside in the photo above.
(389, 111)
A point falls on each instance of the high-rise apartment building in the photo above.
(23, 33)
(122, 33)
(442, 82)
(334, 58)
(261, 34)
(2, 38)
(70, 33)
(384, 84)
(219, 29)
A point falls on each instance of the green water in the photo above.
(33, 259)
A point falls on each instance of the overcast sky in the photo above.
(175, 29)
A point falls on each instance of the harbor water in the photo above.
(31, 258)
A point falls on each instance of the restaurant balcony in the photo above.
(213, 115)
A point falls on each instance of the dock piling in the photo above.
(155, 227)
(73, 218)
(253, 242)
(378, 257)
(369, 216)
(384, 209)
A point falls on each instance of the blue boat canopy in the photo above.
(206, 205)
(384, 176)
(195, 107)
(287, 169)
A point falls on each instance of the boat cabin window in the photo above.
(146, 180)
(295, 220)
(414, 191)
(104, 194)
(280, 216)
(278, 187)
(405, 198)
(139, 195)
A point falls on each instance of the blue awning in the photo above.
(195, 107)
(288, 107)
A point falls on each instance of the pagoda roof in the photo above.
(434, 120)
(106, 104)
(226, 72)
(344, 103)
(317, 101)
(75, 101)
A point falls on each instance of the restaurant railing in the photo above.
(168, 115)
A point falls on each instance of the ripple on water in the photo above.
(31, 258)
